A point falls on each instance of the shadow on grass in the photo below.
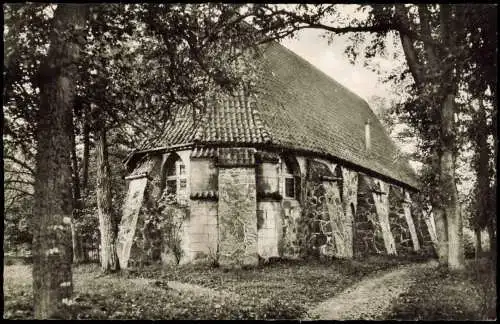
(444, 295)
(280, 289)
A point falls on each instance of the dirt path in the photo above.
(371, 298)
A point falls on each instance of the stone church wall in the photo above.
(369, 238)
(237, 214)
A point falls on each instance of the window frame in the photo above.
(178, 176)
(286, 179)
(287, 174)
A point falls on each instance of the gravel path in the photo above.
(371, 298)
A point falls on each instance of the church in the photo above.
(300, 167)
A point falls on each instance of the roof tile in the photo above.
(296, 107)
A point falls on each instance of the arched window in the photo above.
(290, 176)
(175, 177)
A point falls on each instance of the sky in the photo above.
(331, 60)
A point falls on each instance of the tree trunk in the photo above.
(85, 170)
(442, 234)
(438, 212)
(75, 236)
(482, 170)
(492, 238)
(479, 250)
(86, 148)
(456, 260)
(418, 72)
(52, 212)
(492, 223)
(107, 223)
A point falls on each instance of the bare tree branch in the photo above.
(312, 22)
(19, 162)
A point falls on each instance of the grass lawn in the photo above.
(441, 295)
(283, 290)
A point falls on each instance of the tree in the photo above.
(186, 55)
(19, 100)
(52, 278)
(481, 166)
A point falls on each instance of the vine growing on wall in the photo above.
(162, 229)
(171, 225)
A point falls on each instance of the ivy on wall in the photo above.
(160, 230)
(289, 244)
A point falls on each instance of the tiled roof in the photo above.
(179, 131)
(232, 119)
(296, 107)
(204, 152)
(232, 156)
(266, 156)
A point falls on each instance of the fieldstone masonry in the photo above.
(291, 213)
(368, 238)
(338, 222)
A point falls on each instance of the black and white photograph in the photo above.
(250, 161)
